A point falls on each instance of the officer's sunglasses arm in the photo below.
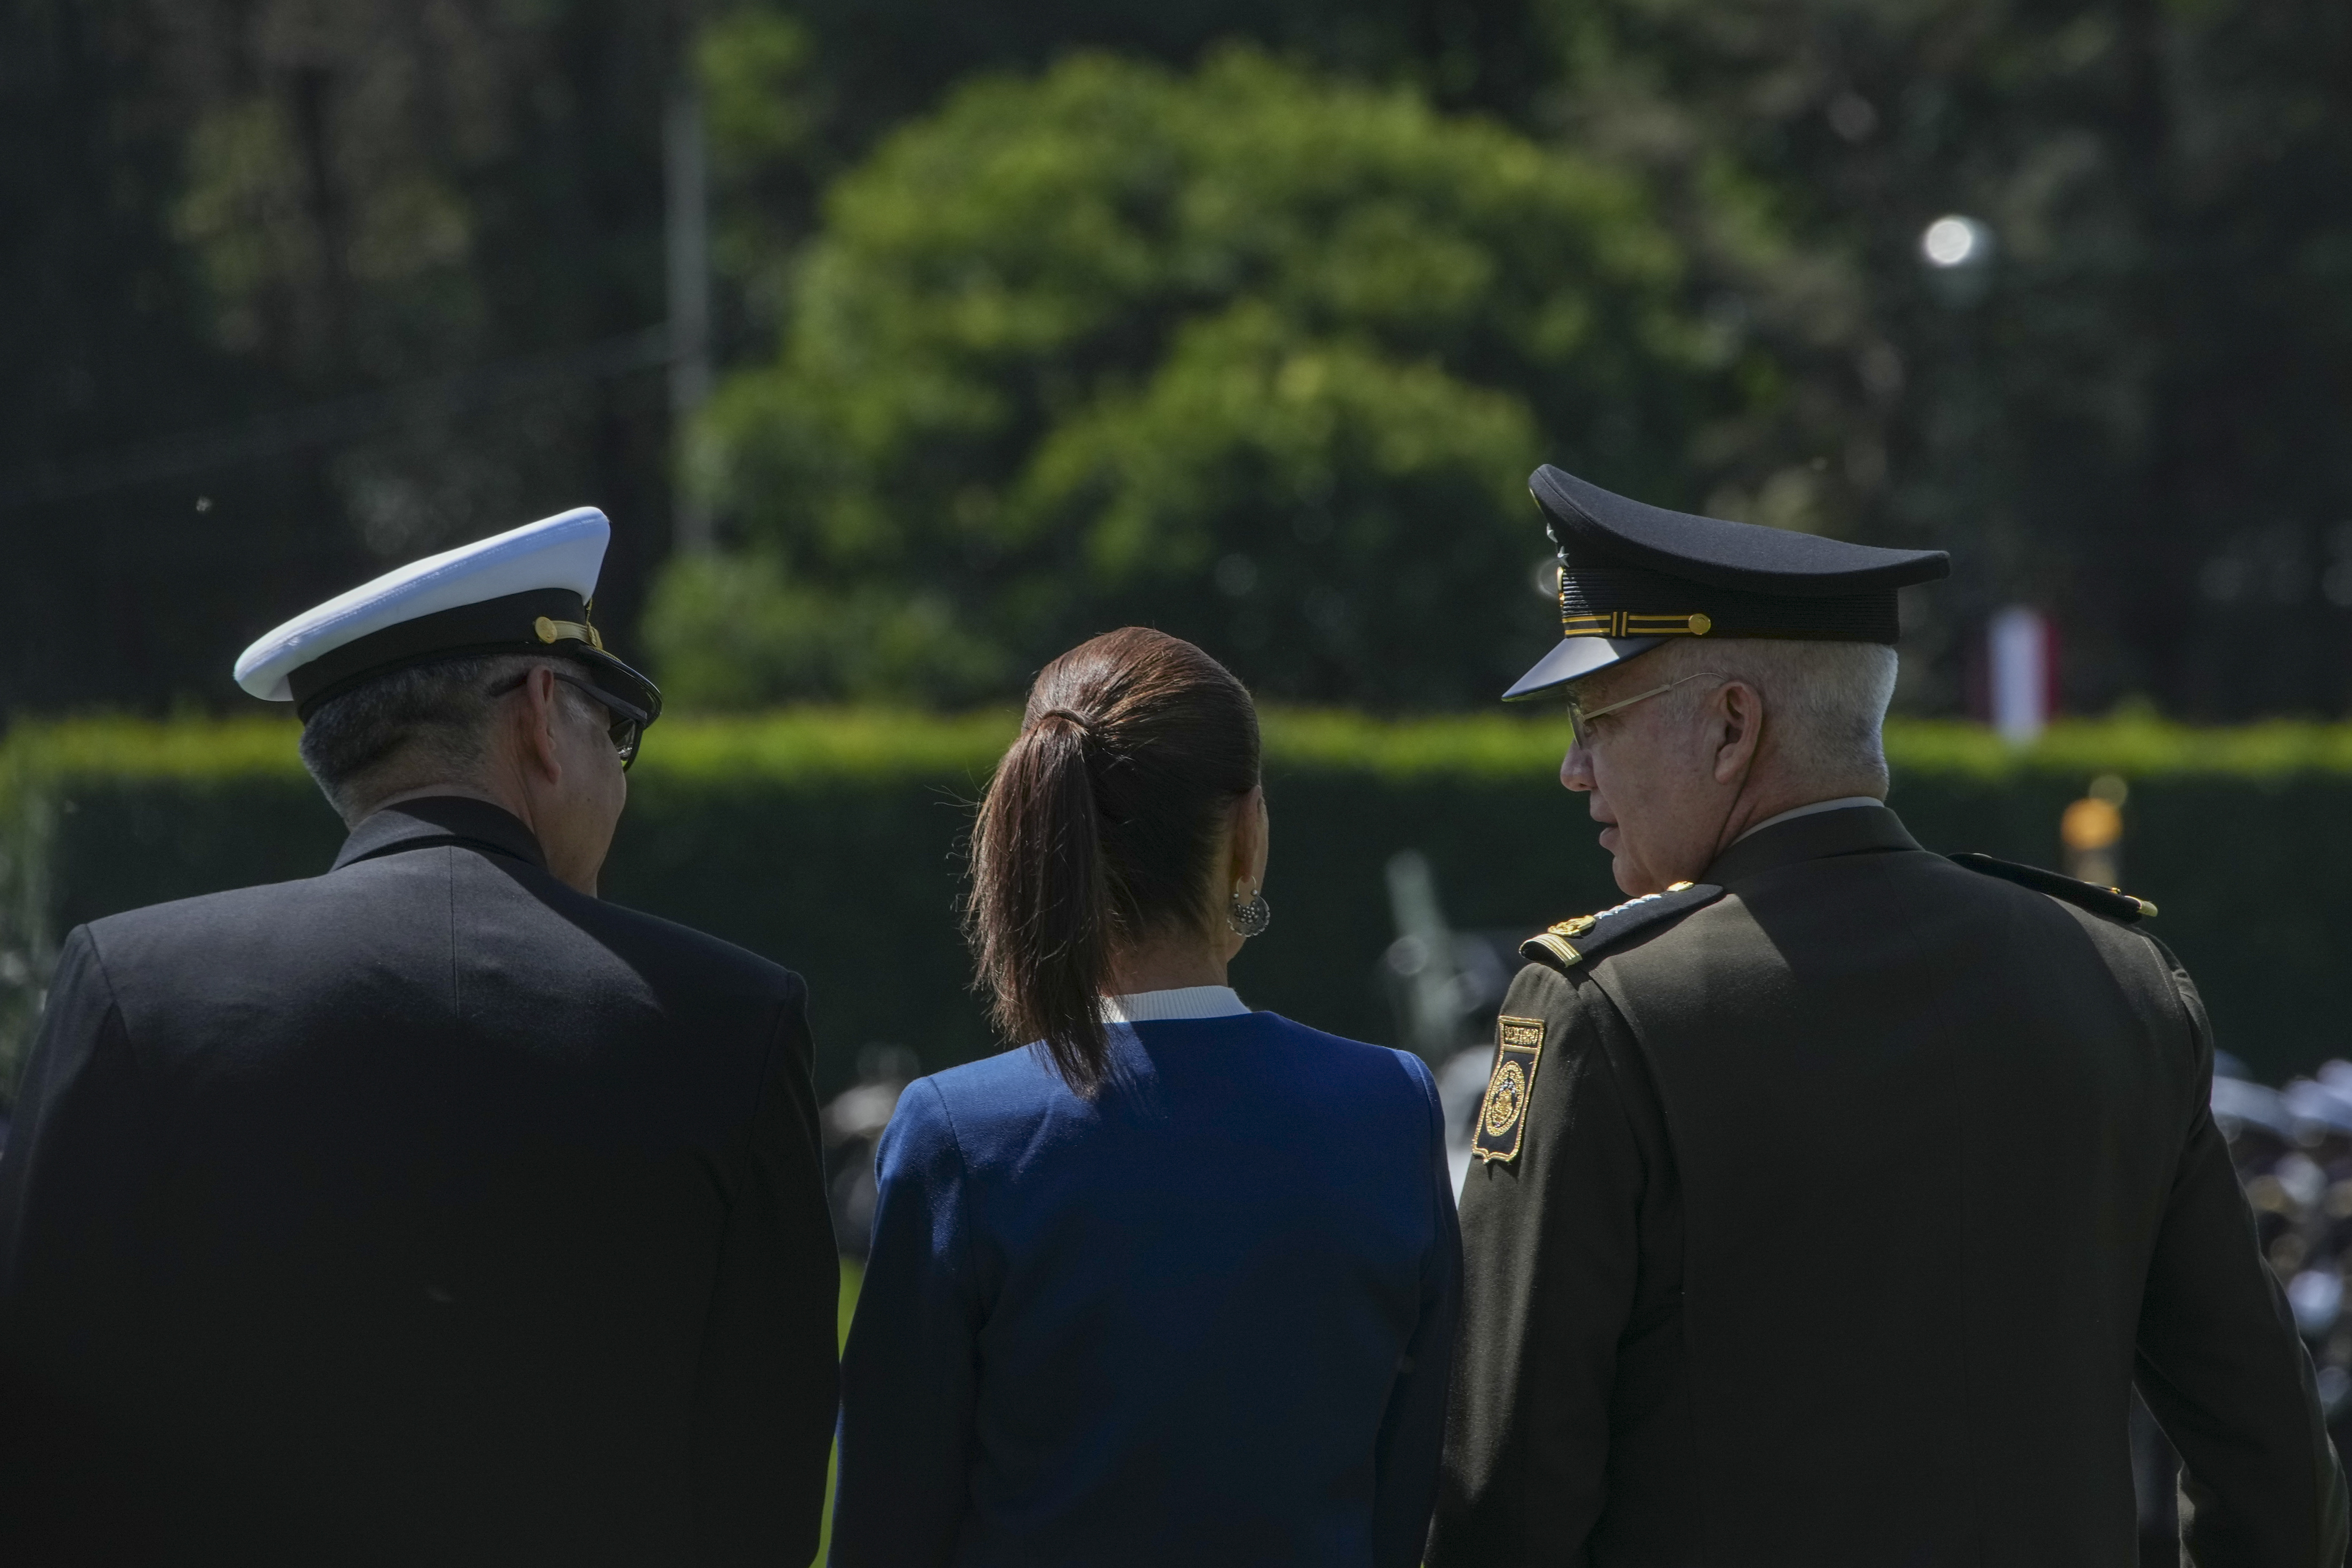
(1578, 716)
(628, 725)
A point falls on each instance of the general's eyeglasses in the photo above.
(628, 726)
(1580, 717)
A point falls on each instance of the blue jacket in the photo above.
(1206, 1317)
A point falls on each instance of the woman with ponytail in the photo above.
(1175, 1282)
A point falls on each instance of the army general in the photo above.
(1832, 1196)
(431, 1210)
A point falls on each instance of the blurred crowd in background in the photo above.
(2294, 1153)
(906, 341)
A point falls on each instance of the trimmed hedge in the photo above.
(829, 840)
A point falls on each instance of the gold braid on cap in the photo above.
(1626, 623)
(551, 630)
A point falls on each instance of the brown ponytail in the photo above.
(1098, 830)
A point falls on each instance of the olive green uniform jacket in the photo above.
(1835, 1207)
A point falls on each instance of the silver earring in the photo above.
(1249, 919)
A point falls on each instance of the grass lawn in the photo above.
(852, 1276)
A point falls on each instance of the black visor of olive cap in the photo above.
(1633, 576)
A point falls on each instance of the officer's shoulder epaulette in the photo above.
(1571, 943)
(2113, 903)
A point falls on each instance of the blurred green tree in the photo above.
(1256, 356)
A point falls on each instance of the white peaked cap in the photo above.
(565, 551)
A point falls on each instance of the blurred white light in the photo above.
(2332, 1390)
(2024, 667)
(1953, 242)
(2317, 1297)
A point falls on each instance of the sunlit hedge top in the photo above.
(816, 744)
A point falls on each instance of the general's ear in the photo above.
(1741, 708)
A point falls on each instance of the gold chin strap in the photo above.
(1626, 623)
(578, 631)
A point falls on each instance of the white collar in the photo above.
(1183, 1001)
(1843, 803)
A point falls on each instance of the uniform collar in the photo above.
(1843, 803)
(432, 821)
(1854, 830)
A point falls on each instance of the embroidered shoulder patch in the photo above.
(1503, 1114)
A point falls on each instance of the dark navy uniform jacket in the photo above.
(425, 1212)
(1205, 1318)
(1834, 1215)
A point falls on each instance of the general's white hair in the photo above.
(1824, 702)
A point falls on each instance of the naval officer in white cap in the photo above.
(431, 1210)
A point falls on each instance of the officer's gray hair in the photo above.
(1824, 702)
(427, 724)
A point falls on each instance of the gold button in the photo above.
(545, 628)
(1700, 625)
